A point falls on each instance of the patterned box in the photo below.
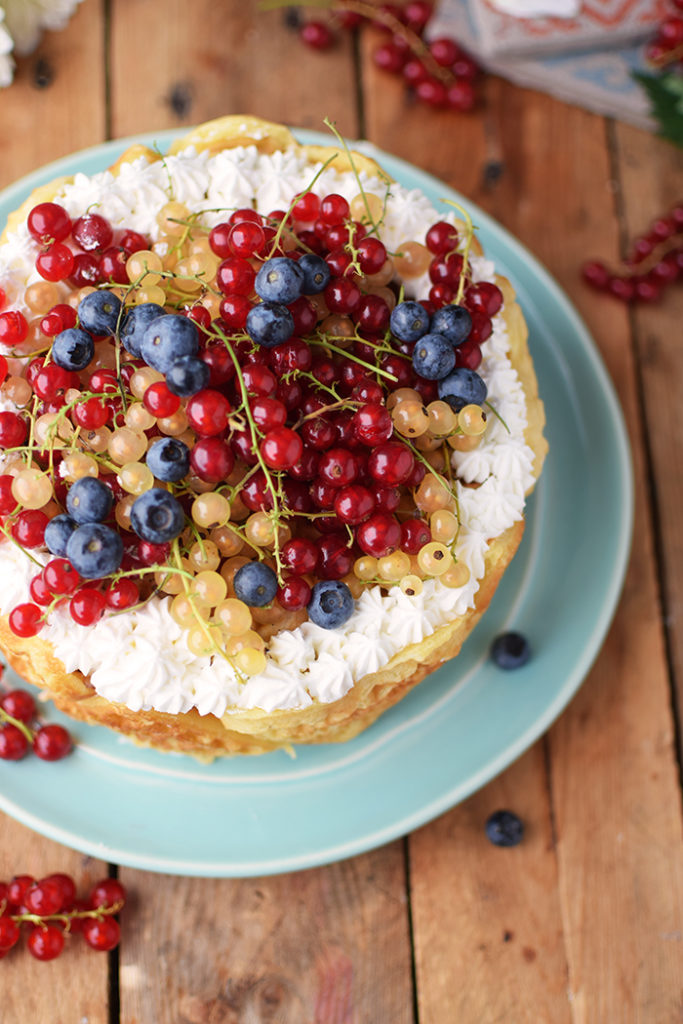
(600, 24)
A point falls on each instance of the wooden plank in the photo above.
(332, 945)
(553, 189)
(228, 58)
(618, 731)
(325, 946)
(650, 179)
(487, 923)
(488, 935)
(73, 987)
(40, 124)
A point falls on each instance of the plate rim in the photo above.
(452, 795)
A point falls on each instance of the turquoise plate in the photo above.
(468, 721)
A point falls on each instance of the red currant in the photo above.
(372, 424)
(19, 704)
(91, 231)
(46, 942)
(379, 535)
(44, 898)
(336, 556)
(13, 328)
(87, 606)
(208, 412)
(122, 594)
(300, 556)
(161, 402)
(49, 222)
(390, 463)
(60, 576)
(56, 263)
(295, 593)
(26, 619)
(102, 935)
(212, 460)
(317, 35)
(106, 893)
(51, 742)
(334, 209)
(414, 535)
(13, 743)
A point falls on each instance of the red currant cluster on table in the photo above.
(440, 72)
(666, 48)
(47, 911)
(654, 262)
(257, 423)
(19, 732)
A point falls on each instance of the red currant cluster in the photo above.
(654, 262)
(255, 414)
(666, 49)
(440, 72)
(48, 910)
(17, 716)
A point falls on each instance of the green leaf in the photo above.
(666, 99)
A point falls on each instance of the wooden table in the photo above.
(582, 921)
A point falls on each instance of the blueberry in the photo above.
(269, 324)
(504, 828)
(187, 376)
(279, 280)
(454, 322)
(89, 500)
(462, 387)
(255, 584)
(99, 312)
(157, 516)
(510, 650)
(331, 604)
(135, 323)
(73, 349)
(409, 321)
(94, 550)
(57, 533)
(168, 338)
(316, 273)
(433, 357)
(168, 459)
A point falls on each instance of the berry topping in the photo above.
(255, 584)
(510, 651)
(94, 550)
(157, 516)
(504, 828)
(331, 604)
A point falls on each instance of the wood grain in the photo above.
(554, 189)
(73, 988)
(37, 125)
(326, 946)
(651, 181)
(582, 922)
(330, 946)
(230, 59)
(41, 123)
(487, 923)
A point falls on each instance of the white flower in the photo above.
(6, 62)
(24, 23)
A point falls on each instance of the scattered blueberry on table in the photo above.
(504, 828)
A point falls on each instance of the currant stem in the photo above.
(18, 724)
